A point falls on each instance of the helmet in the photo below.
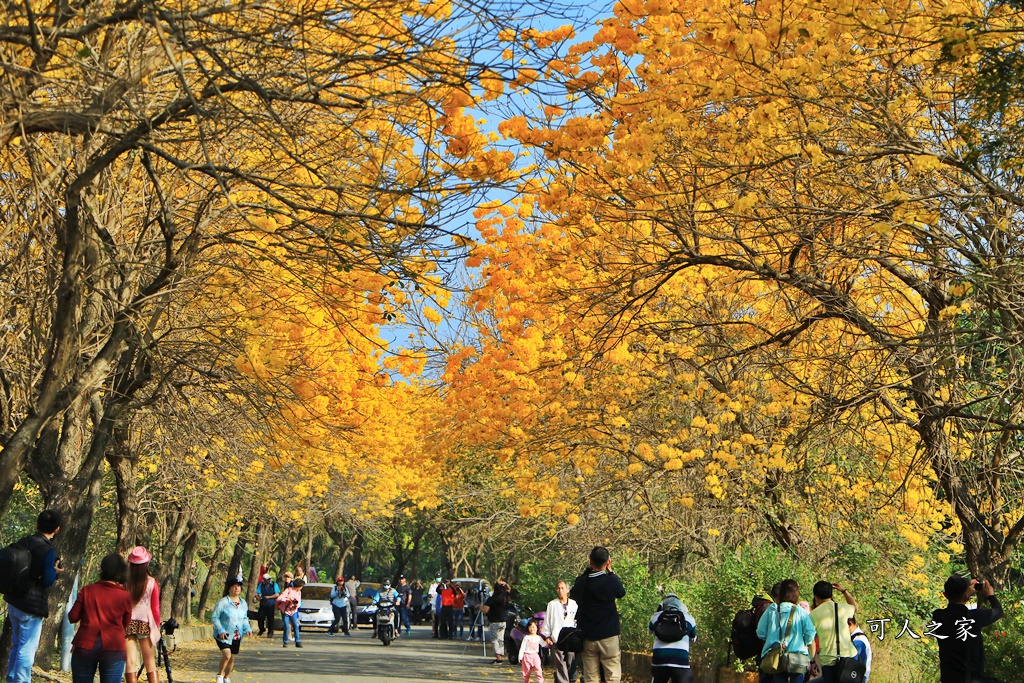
(524, 624)
(387, 583)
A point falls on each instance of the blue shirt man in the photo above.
(26, 611)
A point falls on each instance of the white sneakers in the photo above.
(220, 679)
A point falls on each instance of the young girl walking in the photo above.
(529, 653)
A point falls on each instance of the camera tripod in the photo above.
(168, 629)
(478, 619)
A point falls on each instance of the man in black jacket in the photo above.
(27, 610)
(595, 591)
(958, 629)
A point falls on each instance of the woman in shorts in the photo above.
(143, 631)
(230, 626)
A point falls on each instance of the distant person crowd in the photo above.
(790, 640)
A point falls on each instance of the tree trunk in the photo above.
(212, 571)
(181, 604)
(309, 550)
(288, 551)
(259, 556)
(69, 477)
(987, 556)
(343, 543)
(235, 566)
(6, 640)
(357, 555)
(164, 572)
(125, 469)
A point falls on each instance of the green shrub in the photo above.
(1004, 640)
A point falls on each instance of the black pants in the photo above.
(446, 629)
(340, 619)
(671, 674)
(265, 618)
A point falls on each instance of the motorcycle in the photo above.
(384, 621)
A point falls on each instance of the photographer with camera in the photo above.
(495, 608)
(34, 560)
(957, 630)
(595, 592)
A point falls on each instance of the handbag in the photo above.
(776, 660)
(848, 669)
(794, 663)
(570, 639)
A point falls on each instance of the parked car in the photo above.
(365, 609)
(315, 611)
(481, 585)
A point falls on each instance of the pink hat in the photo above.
(139, 555)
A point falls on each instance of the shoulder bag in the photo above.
(771, 663)
(848, 669)
(570, 639)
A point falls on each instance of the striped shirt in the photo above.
(675, 654)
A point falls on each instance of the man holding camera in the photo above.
(824, 614)
(595, 592)
(958, 629)
(26, 611)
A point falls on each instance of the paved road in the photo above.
(358, 659)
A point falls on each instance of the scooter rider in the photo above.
(386, 593)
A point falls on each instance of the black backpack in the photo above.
(670, 626)
(745, 643)
(15, 569)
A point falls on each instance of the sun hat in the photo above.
(139, 555)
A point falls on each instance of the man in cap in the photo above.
(267, 592)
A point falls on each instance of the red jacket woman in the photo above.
(104, 609)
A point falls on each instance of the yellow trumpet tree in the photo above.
(789, 216)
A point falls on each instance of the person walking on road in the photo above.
(339, 605)
(595, 592)
(560, 613)
(103, 611)
(352, 585)
(289, 602)
(268, 593)
(529, 653)
(230, 625)
(27, 610)
(143, 632)
(404, 604)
